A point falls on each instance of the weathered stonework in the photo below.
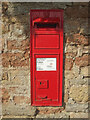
(79, 115)
(15, 52)
(82, 61)
(77, 107)
(77, 92)
(0, 60)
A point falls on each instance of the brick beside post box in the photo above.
(16, 83)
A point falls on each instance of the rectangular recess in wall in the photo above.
(46, 57)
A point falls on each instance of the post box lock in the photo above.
(42, 84)
(46, 57)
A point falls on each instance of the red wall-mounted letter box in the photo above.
(46, 57)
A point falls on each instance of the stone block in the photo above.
(62, 115)
(79, 93)
(71, 26)
(0, 109)
(68, 63)
(24, 8)
(5, 95)
(21, 45)
(77, 107)
(78, 81)
(77, 12)
(85, 71)
(11, 45)
(19, 80)
(82, 61)
(70, 49)
(75, 70)
(77, 39)
(88, 81)
(79, 115)
(80, 51)
(0, 94)
(86, 49)
(24, 71)
(66, 96)
(69, 74)
(18, 110)
(49, 110)
(21, 100)
(16, 77)
(13, 19)
(24, 19)
(5, 76)
(1, 40)
(5, 28)
(71, 101)
(19, 90)
(80, 4)
(70, 55)
(14, 60)
(67, 84)
(84, 28)
(73, 74)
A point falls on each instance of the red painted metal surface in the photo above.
(46, 57)
(46, 20)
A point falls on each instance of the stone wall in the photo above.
(0, 60)
(16, 95)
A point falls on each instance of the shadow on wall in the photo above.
(64, 42)
(19, 13)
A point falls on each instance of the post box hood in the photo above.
(46, 20)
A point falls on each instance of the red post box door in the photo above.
(47, 79)
(46, 61)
